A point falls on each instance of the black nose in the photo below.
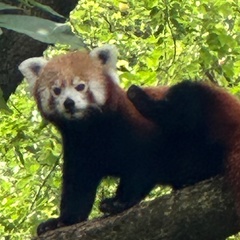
(69, 104)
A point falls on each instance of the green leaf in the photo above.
(46, 9)
(19, 155)
(4, 6)
(41, 29)
(3, 105)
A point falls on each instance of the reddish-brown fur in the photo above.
(224, 122)
(222, 115)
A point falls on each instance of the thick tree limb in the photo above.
(16, 47)
(204, 211)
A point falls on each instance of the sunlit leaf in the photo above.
(41, 29)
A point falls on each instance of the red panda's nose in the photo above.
(69, 104)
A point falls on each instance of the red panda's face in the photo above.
(72, 85)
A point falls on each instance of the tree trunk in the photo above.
(16, 47)
(202, 212)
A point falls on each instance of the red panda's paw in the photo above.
(136, 94)
(142, 102)
(113, 206)
(133, 91)
(49, 225)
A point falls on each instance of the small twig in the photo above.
(173, 38)
(40, 189)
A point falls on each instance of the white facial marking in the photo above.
(76, 80)
(113, 75)
(99, 91)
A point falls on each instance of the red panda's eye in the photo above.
(80, 87)
(57, 90)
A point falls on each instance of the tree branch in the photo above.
(204, 211)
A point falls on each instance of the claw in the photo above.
(112, 206)
(49, 225)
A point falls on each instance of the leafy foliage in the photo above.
(166, 41)
(30, 151)
(159, 42)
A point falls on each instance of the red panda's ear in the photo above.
(31, 68)
(107, 54)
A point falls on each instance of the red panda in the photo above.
(197, 110)
(103, 134)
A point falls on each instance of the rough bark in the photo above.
(204, 211)
(16, 47)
